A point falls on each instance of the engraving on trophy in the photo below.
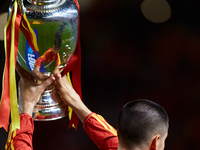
(31, 61)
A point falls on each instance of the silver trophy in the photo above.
(55, 24)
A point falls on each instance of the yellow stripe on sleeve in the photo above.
(102, 121)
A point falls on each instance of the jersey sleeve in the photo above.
(21, 139)
(102, 134)
(42, 58)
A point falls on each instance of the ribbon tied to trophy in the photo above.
(22, 41)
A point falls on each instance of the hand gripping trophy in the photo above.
(43, 37)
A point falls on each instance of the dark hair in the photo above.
(139, 121)
(58, 40)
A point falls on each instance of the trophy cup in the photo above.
(55, 24)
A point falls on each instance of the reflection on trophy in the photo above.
(55, 24)
(67, 54)
(50, 55)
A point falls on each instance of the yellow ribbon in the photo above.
(13, 92)
(69, 108)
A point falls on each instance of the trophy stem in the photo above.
(49, 108)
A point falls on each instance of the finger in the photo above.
(58, 79)
(57, 75)
(48, 81)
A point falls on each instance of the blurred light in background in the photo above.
(156, 11)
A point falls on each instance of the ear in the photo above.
(155, 142)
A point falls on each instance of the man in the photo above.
(143, 125)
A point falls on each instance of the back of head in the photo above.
(139, 121)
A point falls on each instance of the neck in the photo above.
(120, 147)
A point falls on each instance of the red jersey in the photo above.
(21, 139)
(102, 134)
(47, 57)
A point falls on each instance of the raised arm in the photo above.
(71, 98)
(29, 94)
(102, 134)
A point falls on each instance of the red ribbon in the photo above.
(74, 66)
(5, 98)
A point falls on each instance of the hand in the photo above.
(29, 91)
(70, 97)
(67, 93)
(38, 75)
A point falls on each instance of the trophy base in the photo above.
(48, 108)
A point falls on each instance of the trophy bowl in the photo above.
(55, 24)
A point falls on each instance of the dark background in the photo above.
(126, 57)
